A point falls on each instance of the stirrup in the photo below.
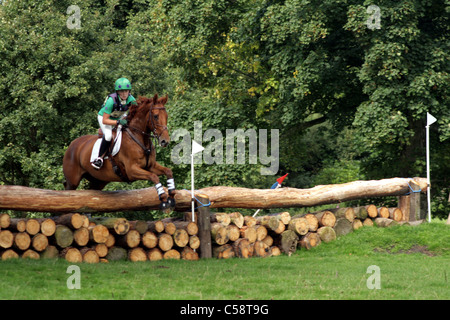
(97, 163)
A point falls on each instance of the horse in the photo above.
(136, 159)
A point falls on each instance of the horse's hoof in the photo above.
(171, 202)
(165, 207)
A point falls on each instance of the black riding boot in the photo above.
(104, 146)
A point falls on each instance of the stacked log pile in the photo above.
(270, 235)
(76, 238)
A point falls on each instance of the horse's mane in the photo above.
(141, 101)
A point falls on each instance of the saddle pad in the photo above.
(116, 148)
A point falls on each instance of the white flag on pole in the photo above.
(196, 147)
(430, 119)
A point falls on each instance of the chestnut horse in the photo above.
(136, 159)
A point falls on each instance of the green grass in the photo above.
(414, 264)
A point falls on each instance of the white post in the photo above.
(192, 187)
(428, 174)
(195, 149)
(430, 121)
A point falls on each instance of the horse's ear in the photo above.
(155, 98)
(164, 99)
(140, 99)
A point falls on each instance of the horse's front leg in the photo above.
(137, 173)
(161, 170)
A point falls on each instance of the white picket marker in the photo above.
(196, 148)
(430, 121)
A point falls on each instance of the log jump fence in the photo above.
(77, 238)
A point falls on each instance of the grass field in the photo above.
(413, 264)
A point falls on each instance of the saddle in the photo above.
(117, 141)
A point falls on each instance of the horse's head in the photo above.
(158, 114)
(155, 117)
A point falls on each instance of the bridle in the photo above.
(153, 124)
(151, 135)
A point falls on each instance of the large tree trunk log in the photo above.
(30, 199)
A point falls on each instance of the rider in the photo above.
(114, 107)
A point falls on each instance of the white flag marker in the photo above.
(196, 148)
(430, 121)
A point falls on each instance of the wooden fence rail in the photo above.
(85, 201)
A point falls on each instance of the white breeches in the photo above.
(107, 129)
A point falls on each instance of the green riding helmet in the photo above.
(122, 84)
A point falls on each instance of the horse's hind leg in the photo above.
(95, 184)
(68, 185)
(73, 176)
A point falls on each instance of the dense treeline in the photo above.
(347, 84)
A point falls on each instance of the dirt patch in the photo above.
(413, 249)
